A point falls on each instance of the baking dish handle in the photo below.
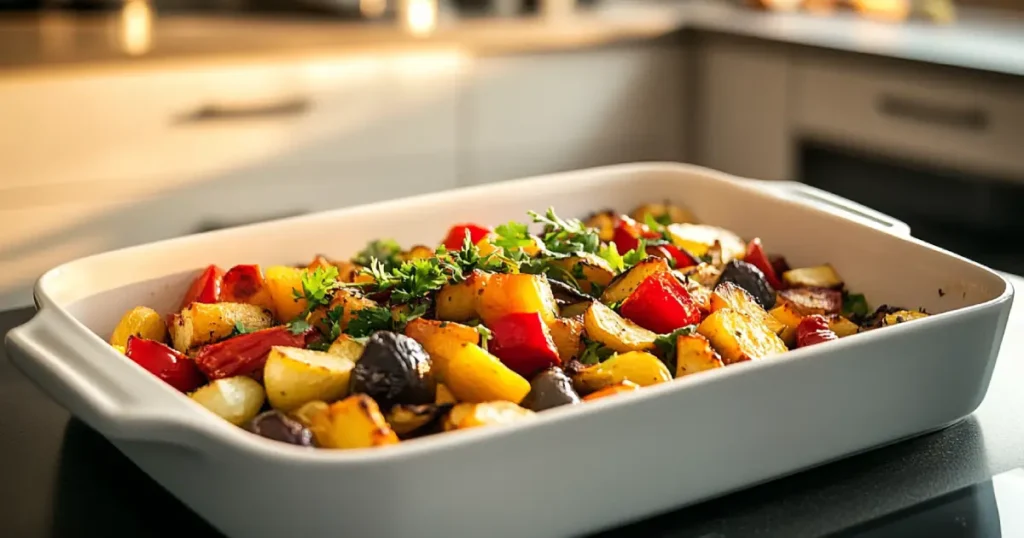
(118, 408)
(837, 204)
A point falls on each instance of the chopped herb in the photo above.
(240, 329)
(485, 335)
(636, 255)
(317, 286)
(387, 251)
(298, 326)
(855, 305)
(403, 318)
(595, 352)
(610, 254)
(667, 345)
(706, 258)
(566, 236)
(368, 321)
(513, 235)
(333, 321)
(414, 279)
(320, 345)
(616, 305)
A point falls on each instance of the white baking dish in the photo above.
(573, 470)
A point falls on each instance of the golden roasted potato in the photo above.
(822, 276)
(355, 422)
(457, 302)
(444, 396)
(729, 295)
(605, 326)
(504, 294)
(585, 269)
(441, 340)
(142, 322)
(604, 222)
(308, 410)
(201, 323)
(417, 252)
(637, 367)
(623, 285)
(705, 274)
(412, 420)
(675, 214)
(567, 334)
(810, 301)
(474, 375)
(739, 337)
(346, 346)
(295, 376)
(612, 390)
(698, 239)
(902, 316)
(235, 399)
(280, 281)
(700, 293)
(497, 413)
(842, 326)
(695, 354)
(789, 316)
(350, 300)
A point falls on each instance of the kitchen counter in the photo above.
(63, 479)
(137, 37)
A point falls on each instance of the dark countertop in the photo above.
(62, 479)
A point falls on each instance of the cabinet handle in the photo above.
(290, 107)
(903, 108)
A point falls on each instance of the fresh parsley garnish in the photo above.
(513, 235)
(595, 352)
(610, 253)
(317, 286)
(485, 335)
(635, 256)
(368, 321)
(411, 280)
(566, 236)
(855, 305)
(298, 326)
(240, 329)
(667, 344)
(387, 251)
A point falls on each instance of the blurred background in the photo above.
(129, 121)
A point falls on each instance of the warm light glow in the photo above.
(420, 16)
(885, 10)
(136, 27)
(372, 9)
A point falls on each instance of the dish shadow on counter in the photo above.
(99, 492)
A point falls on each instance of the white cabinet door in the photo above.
(742, 120)
(538, 113)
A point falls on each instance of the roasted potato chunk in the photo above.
(695, 354)
(567, 334)
(282, 281)
(473, 415)
(355, 422)
(295, 376)
(698, 292)
(604, 222)
(612, 390)
(842, 326)
(474, 375)
(790, 317)
(235, 399)
(444, 395)
(201, 323)
(664, 212)
(505, 294)
(729, 295)
(637, 367)
(739, 337)
(698, 239)
(626, 283)
(810, 301)
(347, 347)
(441, 340)
(141, 322)
(605, 326)
(585, 269)
(458, 302)
(705, 274)
(822, 276)
(902, 316)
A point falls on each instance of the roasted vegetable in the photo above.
(623, 285)
(550, 388)
(705, 274)
(245, 354)
(413, 420)
(394, 369)
(235, 399)
(809, 301)
(698, 239)
(729, 295)
(355, 422)
(629, 233)
(612, 390)
(245, 284)
(350, 301)
(457, 235)
(295, 376)
(787, 314)
(567, 333)
(813, 330)
(444, 396)
(280, 427)
(567, 296)
(739, 337)
(441, 340)
(523, 343)
(676, 256)
(418, 252)
(662, 304)
(822, 276)
(584, 269)
(458, 302)
(700, 294)
(497, 413)
(202, 323)
(205, 288)
(176, 369)
(604, 222)
(282, 282)
(664, 213)
(638, 367)
(347, 347)
(755, 256)
(141, 322)
(516, 294)
(605, 326)
(574, 310)
(695, 354)
(842, 326)
(752, 280)
(475, 375)
(902, 316)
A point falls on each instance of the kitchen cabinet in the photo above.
(530, 114)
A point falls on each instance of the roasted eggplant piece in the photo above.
(586, 270)
(394, 369)
(416, 420)
(550, 388)
(566, 295)
(752, 280)
(811, 301)
(280, 427)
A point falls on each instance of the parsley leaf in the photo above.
(411, 280)
(610, 253)
(368, 321)
(667, 345)
(563, 236)
(388, 251)
(513, 235)
(855, 305)
(317, 286)
(333, 321)
(636, 255)
(595, 352)
(298, 326)
(485, 335)
(240, 329)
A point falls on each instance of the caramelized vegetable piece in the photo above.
(413, 420)
(457, 234)
(475, 375)
(787, 314)
(738, 337)
(729, 295)
(585, 269)
(458, 302)
(174, 368)
(605, 326)
(394, 369)
(202, 323)
(280, 427)
(810, 301)
(822, 276)
(282, 282)
(612, 390)
(441, 339)
(902, 316)
(244, 284)
(550, 388)
(516, 294)
(665, 213)
(700, 294)
(567, 333)
(698, 239)
(245, 354)
(752, 280)
(842, 326)
(355, 422)
(235, 399)
(679, 258)
(141, 322)
(755, 256)
(629, 232)
(637, 367)
(418, 252)
(473, 415)
(661, 303)
(604, 222)
(626, 283)
(695, 354)
(205, 288)
(813, 330)
(705, 274)
(523, 343)
(350, 301)
(295, 376)
(444, 395)
(347, 347)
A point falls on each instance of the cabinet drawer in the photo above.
(961, 121)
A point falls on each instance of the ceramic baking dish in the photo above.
(575, 469)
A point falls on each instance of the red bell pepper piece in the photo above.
(164, 362)
(629, 232)
(779, 264)
(247, 353)
(755, 256)
(813, 330)
(679, 258)
(523, 343)
(457, 234)
(205, 288)
(661, 304)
